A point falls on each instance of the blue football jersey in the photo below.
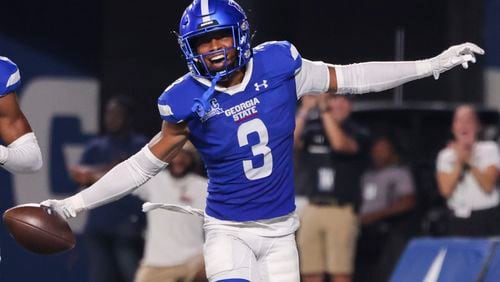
(246, 139)
(9, 76)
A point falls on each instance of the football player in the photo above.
(21, 153)
(237, 106)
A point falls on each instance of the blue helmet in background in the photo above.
(205, 16)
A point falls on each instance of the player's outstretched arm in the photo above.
(379, 76)
(127, 175)
(21, 153)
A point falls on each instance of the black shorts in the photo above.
(480, 223)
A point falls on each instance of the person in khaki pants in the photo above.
(174, 241)
(334, 154)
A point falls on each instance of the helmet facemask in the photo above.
(241, 44)
(196, 62)
(220, 55)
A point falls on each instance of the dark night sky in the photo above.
(128, 45)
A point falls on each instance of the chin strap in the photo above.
(201, 105)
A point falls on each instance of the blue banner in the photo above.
(448, 260)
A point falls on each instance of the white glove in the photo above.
(67, 208)
(455, 55)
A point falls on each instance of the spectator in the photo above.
(467, 173)
(174, 241)
(335, 149)
(388, 199)
(113, 232)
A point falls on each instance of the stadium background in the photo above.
(75, 54)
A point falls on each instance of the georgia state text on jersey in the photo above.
(9, 76)
(246, 138)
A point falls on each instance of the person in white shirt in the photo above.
(174, 241)
(467, 172)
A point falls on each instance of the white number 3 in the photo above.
(251, 172)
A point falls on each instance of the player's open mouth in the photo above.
(215, 60)
(218, 62)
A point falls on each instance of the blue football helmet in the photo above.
(204, 17)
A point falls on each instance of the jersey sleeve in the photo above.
(285, 59)
(282, 57)
(10, 79)
(174, 103)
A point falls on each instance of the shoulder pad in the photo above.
(280, 54)
(176, 101)
(10, 79)
(284, 48)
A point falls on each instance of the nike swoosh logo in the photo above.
(436, 266)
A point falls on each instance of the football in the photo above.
(39, 229)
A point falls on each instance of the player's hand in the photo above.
(463, 152)
(67, 208)
(455, 55)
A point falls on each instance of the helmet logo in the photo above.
(243, 39)
(244, 25)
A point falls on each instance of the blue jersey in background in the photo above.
(10, 78)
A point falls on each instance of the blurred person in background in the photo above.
(467, 174)
(20, 152)
(336, 154)
(388, 197)
(174, 241)
(113, 233)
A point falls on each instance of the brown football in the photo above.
(39, 229)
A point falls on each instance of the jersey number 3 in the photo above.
(245, 129)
